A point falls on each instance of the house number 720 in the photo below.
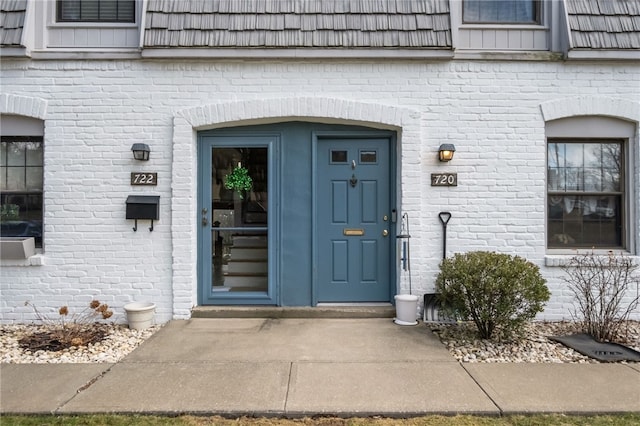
(144, 178)
(444, 179)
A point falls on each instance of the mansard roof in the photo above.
(12, 13)
(298, 24)
(604, 24)
(594, 25)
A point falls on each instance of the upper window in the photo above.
(96, 11)
(500, 11)
(585, 193)
(21, 167)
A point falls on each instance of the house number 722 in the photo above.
(144, 178)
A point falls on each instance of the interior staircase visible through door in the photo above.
(246, 265)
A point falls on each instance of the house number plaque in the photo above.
(444, 179)
(138, 178)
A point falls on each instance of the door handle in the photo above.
(205, 221)
(385, 233)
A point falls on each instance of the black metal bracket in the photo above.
(135, 226)
(354, 181)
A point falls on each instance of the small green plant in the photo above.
(603, 291)
(9, 212)
(239, 180)
(498, 292)
(68, 330)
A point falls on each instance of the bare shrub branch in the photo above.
(602, 286)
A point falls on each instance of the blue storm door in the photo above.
(353, 220)
(236, 219)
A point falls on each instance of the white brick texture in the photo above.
(494, 113)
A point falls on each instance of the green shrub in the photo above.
(498, 292)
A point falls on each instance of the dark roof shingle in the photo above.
(298, 23)
(12, 14)
(604, 24)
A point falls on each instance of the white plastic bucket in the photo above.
(140, 314)
(406, 309)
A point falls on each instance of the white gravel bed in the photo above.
(463, 343)
(119, 343)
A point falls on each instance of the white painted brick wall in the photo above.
(494, 112)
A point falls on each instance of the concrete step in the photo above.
(249, 253)
(250, 267)
(249, 241)
(337, 311)
(245, 281)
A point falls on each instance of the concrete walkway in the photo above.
(304, 367)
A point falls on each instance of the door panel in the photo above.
(352, 215)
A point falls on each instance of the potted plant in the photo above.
(239, 180)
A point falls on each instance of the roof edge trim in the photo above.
(212, 53)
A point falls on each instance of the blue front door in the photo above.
(353, 220)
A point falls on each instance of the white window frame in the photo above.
(594, 128)
(22, 126)
(59, 3)
(52, 19)
(536, 23)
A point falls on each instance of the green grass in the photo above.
(119, 420)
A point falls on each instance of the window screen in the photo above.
(96, 11)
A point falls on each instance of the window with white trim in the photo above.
(95, 11)
(21, 187)
(586, 193)
(501, 12)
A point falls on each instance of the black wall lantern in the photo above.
(445, 152)
(141, 151)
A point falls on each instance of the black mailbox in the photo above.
(145, 207)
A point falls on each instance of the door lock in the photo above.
(385, 233)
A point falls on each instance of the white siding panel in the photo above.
(67, 38)
(81, 37)
(488, 39)
(109, 37)
(541, 40)
(503, 39)
(475, 40)
(93, 37)
(527, 39)
(515, 40)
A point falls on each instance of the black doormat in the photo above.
(607, 352)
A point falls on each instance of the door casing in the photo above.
(293, 157)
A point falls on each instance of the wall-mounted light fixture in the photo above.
(140, 151)
(445, 152)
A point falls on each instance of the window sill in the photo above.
(507, 55)
(81, 24)
(35, 260)
(86, 53)
(497, 26)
